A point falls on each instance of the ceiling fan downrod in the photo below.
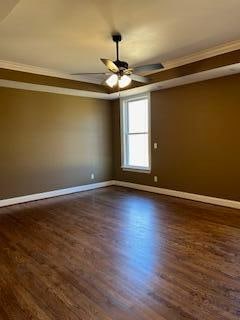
(122, 65)
(117, 38)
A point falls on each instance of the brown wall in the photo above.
(40, 79)
(51, 141)
(197, 128)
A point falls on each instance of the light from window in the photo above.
(135, 133)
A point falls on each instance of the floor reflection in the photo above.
(139, 241)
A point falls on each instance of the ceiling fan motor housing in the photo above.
(122, 65)
(117, 37)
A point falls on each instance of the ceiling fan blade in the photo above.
(110, 65)
(148, 67)
(138, 78)
(128, 71)
(86, 73)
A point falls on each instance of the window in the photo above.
(135, 119)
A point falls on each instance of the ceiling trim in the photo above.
(161, 85)
(52, 89)
(8, 74)
(43, 71)
(180, 81)
(169, 64)
(203, 54)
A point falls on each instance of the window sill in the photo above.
(136, 169)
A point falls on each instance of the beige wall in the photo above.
(197, 128)
(50, 141)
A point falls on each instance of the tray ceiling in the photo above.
(71, 35)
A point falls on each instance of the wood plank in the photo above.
(117, 253)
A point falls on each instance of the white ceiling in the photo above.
(71, 35)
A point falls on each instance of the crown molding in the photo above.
(43, 71)
(52, 89)
(203, 54)
(180, 81)
(165, 84)
(200, 55)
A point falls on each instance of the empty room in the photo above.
(119, 160)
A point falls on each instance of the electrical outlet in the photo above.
(92, 176)
(155, 145)
(155, 179)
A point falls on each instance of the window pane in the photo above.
(138, 150)
(138, 116)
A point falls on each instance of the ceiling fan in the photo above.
(121, 74)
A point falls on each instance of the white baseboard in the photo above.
(168, 192)
(55, 193)
(181, 194)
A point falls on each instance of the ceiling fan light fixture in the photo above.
(121, 71)
(112, 80)
(124, 81)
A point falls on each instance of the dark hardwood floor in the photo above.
(116, 253)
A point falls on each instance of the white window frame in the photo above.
(124, 132)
